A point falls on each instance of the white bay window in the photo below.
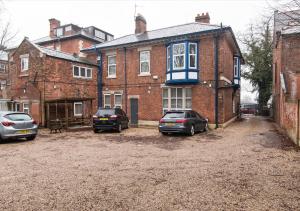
(179, 56)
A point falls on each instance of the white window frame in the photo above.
(105, 104)
(109, 37)
(117, 105)
(89, 77)
(195, 54)
(85, 72)
(24, 67)
(183, 98)
(145, 61)
(2, 84)
(2, 67)
(59, 32)
(109, 65)
(177, 55)
(76, 76)
(26, 108)
(78, 103)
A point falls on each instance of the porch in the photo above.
(69, 113)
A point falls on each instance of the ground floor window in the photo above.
(78, 109)
(177, 98)
(26, 108)
(107, 101)
(118, 100)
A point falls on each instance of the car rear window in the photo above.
(105, 112)
(18, 117)
(174, 115)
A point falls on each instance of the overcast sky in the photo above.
(30, 18)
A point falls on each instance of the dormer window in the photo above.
(109, 37)
(59, 32)
(68, 28)
(100, 34)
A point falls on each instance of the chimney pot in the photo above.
(54, 23)
(140, 24)
(203, 18)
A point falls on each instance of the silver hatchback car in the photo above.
(17, 125)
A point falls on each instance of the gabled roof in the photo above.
(164, 33)
(60, 54)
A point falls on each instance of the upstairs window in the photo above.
(179, 56)
(109, 37)
(144, 62)
(2, 84)
(111, 67)
(82, 72)
(2, 67)
(24, 62)
(192, 55)
(168, 57)
(68, 28)
(59, 32)
(236, 67)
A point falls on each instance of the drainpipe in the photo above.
(216, 75)
(298, 125)
(125, 78)
(99, 79)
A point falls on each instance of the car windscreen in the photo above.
(105, 112)
(174, 115)
(18, 117)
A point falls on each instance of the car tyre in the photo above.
(96, 131)
(164, 133)
(192, 131)
(119, 128)
(31, 138)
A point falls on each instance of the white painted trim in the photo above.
(78, 103)
(146, 48)
(225, 79)
(133, 97)
(110, 53)
(195, 54)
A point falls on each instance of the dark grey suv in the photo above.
(187, 122)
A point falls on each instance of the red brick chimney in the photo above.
(140, 24)
(53, 24)
(203, 18)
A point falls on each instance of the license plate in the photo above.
(103, 118)
(23, 131)
(170, 124)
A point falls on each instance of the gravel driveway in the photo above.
(247, 166)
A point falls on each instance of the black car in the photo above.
(187, 122)
(110, 119)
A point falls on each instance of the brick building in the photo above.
(71, 38)
(190, 66)
(286, 72)
(51, 79)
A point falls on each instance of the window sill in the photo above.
(24, 75)
(111, 77)
(144, 74)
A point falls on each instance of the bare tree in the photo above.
(7, 34)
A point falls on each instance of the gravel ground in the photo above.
(247, 166)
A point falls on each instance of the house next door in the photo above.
(134, 111)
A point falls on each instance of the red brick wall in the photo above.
(149, 90)
(53, 80)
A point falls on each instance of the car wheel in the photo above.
(164, 133)
(96, 131)
(31, 138)
(119, 128)
(192, 131)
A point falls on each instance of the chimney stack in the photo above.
(203, 18)
(140, 24)
(53, 24)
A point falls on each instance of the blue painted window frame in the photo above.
(238, 75)
(187, 67)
